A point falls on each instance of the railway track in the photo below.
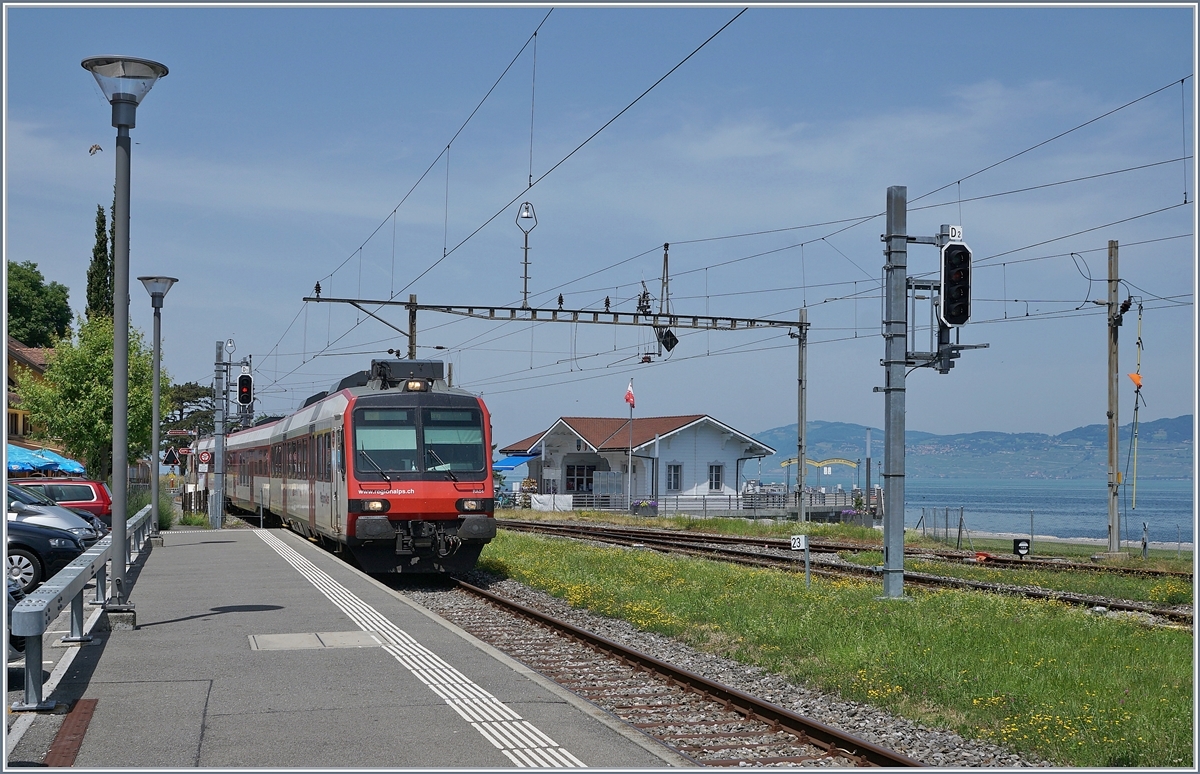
(706, 722)
(718, 547)
(824, 546)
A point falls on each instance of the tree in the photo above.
(187, 406)
(73, 401)
(38, 313)
(100, 272)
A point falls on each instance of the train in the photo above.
(390, 465)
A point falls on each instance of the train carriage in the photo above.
(391, 465)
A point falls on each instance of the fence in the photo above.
(939, 529)
(194, 502)
(723, 503)
(33, 614)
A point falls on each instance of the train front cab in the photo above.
(419, 486)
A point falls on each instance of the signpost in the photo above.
(800, 543)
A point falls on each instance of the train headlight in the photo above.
(369, 506)
(475, 505)
(416, 385)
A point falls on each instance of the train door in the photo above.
(337, 479)
(328, 513)
(310, 477)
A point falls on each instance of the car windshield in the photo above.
(29, 496)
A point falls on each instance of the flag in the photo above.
(629, 394)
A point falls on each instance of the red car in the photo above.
(91, 496)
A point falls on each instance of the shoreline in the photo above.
(1126, 545)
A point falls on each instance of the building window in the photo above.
(716, 475)
(579, 478)
(674, 478)
(14, 423)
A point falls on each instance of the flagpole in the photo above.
(629, 488)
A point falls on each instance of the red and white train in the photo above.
(390, 465)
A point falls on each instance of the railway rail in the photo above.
(824, 546)
(708, 723)
(717, 547)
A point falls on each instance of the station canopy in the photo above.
(513, 462)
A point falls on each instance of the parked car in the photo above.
(30, 506)
(91, 496)
(36, 553)
(16, 644)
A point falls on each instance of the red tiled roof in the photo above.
(612, 433)
(33, 357)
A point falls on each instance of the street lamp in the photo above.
(157, 287)
(125, 81)
(526, 221)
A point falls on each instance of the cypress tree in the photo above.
(99, 273)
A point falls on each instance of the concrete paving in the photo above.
(255, 648)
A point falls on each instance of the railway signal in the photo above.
(245, 389)
(956, 284)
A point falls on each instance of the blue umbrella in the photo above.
(64, 464)
(19, 459)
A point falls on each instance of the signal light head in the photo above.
(956, 284)
(245, 389)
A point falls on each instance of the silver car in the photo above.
(36, 508)
(16, 644)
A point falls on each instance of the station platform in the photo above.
(255, 648)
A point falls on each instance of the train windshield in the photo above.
(453, 439)
(393, 442)
(385, 441)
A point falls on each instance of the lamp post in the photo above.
(157, 287)
(526, 221)
(125, 81)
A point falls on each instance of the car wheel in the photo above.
(25, 568)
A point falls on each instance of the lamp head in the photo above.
(125, 81)
(158, 285)
(124, 76)
(526, 217)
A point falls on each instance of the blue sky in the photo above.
(283, 139)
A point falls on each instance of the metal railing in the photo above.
(721, 503)
(33, 615)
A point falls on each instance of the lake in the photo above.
(1061, 508)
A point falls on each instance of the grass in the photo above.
(1163, 591)
(1160, 559)
(138, 498)
(1061, 683)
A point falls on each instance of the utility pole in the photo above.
(1114, 323)
(895, 335)
(867, 482)
(801, 412)
(412, 326)
(216, 497)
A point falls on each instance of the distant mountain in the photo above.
(1165, 451)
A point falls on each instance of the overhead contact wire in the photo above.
(579, 147)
